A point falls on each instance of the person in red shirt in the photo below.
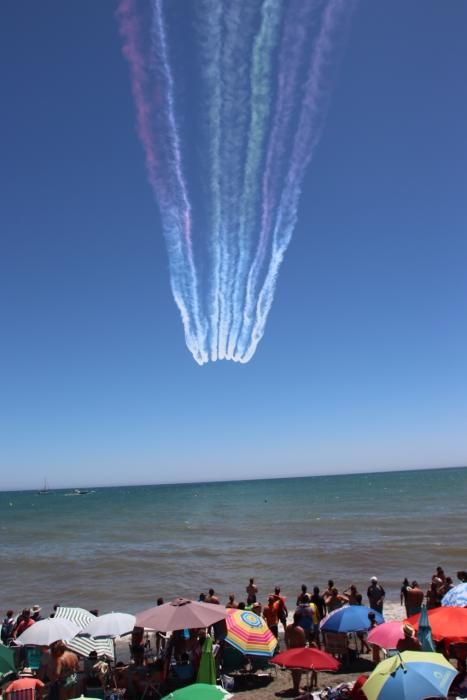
(26, 681)
(409, 641)
(25, 622)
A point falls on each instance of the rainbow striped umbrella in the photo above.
(248, 633)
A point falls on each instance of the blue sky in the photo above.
(363, 363)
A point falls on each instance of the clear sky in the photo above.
(363, 365)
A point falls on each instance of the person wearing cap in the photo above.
(36, 613)
(26, 681)
(409, 642)
(376, 595)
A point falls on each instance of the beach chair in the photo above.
(337, 644)
(29, 694)
(32, 656)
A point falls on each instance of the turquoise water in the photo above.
(120, 548)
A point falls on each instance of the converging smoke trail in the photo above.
(306, 139)
(228, 177)
(297, 23)
(261, 78)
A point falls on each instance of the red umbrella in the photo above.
(307, 658)
(180, 614)
(445, 623)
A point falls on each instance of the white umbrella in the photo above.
(84, 645)
(112, 624)
(46, 632)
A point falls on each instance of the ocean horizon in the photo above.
(121, 547)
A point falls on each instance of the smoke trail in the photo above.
(210, 22)
(297, 25)
(262, 66)
(169, 190)
(237, 46)
(306, 138)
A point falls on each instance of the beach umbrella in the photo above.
(424, 631)
(207, 665)
(446, 623)
(46, 632)
(411, 675)
(7, 660)
(456, 597)
(114, 624)
(85, 645)
(307, 658)
(248, 633)
(350, 618)
(180, 614)
(199, 691)
(386, 635)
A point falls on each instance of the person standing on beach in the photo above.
(303, 595)
(232, 603)
(414, 599)
(318, 600)
(23, 623)
(63, 672)
(295, 638)
(405, 585)
(211, 597)
(281, 607)
(376, 595)
(271, 615)
(251, 591)
(334, 600)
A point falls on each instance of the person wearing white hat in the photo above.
(26, 681)
(376, 595)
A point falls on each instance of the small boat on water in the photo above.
(44, 491)
(79, 492)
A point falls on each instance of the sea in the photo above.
(120, 548)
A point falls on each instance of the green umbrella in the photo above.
(7, 660)
(199, 691)
(207, 667)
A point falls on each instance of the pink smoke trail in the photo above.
(308, 132)
(163, 163)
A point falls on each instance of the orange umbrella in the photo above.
(445, 623)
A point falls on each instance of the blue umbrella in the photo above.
(350, 618)
(456, 597)
(424, 631)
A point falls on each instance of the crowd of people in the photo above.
(59, 667)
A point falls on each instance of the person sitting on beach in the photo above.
(409, 642)
(271, 615)
(251, 590)
(232, 603)
(241, 605)
(211, 597)
(414, 598)
(302, 595)
(376, 595)
(294, 638)
(334, 600)
(25, 682)
(459, 684)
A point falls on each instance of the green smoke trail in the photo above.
(260, 85)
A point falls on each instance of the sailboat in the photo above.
(44, 490)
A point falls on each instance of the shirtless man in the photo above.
(251, 591)
(211, 597)
(295, 637)
(414, 599)
(63, 671)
